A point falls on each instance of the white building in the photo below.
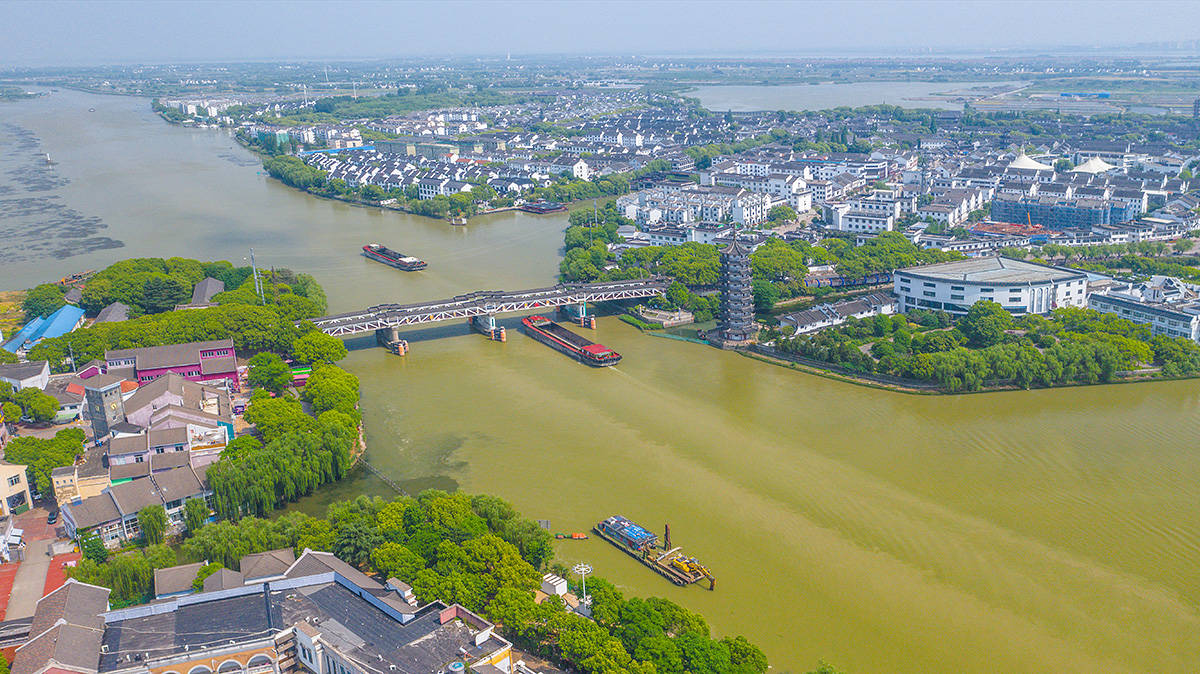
(1020, 287)
(1169, 306)
(34, 374)
(693, 203)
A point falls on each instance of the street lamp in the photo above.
(583, 570)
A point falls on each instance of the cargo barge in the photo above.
(543, 207)
(559, 338)
(392, 258)
(668, 562)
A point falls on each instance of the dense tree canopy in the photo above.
(43, 300)
(43, 456)
(988, 347)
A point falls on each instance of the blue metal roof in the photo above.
(57, 324)
(24, 334)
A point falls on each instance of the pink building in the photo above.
(209, 362)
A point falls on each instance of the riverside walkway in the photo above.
(487, 303)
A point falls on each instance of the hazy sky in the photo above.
(71, 33)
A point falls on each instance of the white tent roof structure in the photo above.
(1093, 165)
(1024, 161)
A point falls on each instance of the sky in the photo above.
(52, 32)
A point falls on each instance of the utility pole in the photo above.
(257, 282)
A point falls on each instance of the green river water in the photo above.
(1028, 531)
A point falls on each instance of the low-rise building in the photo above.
(112, 514)
(14, 489)
(1020, 287)
(64, 320)
(214, 362)
(33, 374)
(1168, 305)
(827, 315)
(321, 616)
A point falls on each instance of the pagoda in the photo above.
(736, 326)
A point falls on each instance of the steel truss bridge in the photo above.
(487, 303)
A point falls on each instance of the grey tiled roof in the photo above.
(175, 579)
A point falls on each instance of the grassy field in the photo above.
(12, 317)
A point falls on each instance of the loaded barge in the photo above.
(668, 562)
(392, 258)
(561, 339)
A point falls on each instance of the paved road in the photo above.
(31, 578)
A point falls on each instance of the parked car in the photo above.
(52, 517)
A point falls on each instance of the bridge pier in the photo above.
(389, 338)
(578, 313)
(487, 324)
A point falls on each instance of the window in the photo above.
(956, 287)
(956, 297)
(986, 290)
(929, 293)
(929, 285)
(14, 480)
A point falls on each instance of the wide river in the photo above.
(1030, 531)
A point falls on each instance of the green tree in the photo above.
(152, 520)
(355, 542)
(44, 455)
(765, 295)
(745, 656)
(43, 300)
(393, 560)
(318, 347)
(10, 412)
(204, 572)
(36, 405)
(985, 323)
(93, 548)
(195, 514)
(268, 371)
(162, 293)
(781, 213)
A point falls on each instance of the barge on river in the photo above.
(668, 562)
(561, 339)
(392, 258)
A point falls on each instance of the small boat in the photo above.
(91, 109)
(459, 220)
(49, 160)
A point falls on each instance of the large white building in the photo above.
(1020, 287)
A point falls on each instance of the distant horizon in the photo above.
(825, 55)
(114, 32)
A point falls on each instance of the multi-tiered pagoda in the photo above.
(736, 327)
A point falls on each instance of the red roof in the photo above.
(597, 349)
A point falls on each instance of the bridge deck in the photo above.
(487, 302)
